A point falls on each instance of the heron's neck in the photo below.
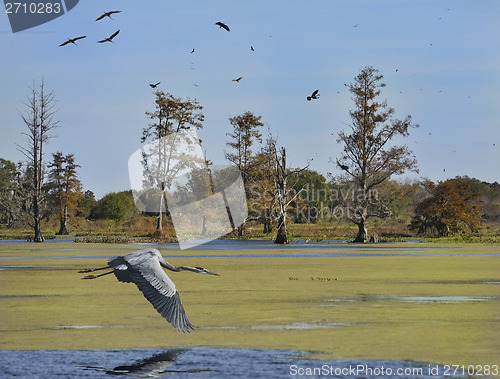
(171, 267)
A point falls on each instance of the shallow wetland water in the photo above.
(273, 312)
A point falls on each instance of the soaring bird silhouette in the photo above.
(110, 38)
(72, 40)
(154, 85)
(144, 269)
(314, 95)
(107, 14)
(238, 79)
(192, 51)
(222, 25)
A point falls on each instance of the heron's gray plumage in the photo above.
(143, 268)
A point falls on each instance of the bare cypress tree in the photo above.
(39, 119)
(368, 158)
(283, 192)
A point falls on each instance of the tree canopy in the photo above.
(114, 206)
(451, 208)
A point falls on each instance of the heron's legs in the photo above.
(92, 269)
(97, 276)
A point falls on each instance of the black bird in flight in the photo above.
(222, 25)
(106, 14)
(238, 79)
(110, 38)
(154, 85)
(314, 95)
(192, 51)
(72, 40)
(251, 48)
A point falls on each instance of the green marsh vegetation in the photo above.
(422, 303)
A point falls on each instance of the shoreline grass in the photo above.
(141, 229)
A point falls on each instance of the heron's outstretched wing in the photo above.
(145, 271)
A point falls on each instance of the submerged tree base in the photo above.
(281, 239)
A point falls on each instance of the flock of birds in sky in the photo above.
(108, 39)
(221, 25)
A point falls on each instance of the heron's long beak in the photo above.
(211, 273)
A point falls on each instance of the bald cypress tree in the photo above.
(64, 187)
(245, 134)
(369, 155)
(171, 115)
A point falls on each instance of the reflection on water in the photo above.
(202, 362)
(150, 367)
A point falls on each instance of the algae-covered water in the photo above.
(303, 305)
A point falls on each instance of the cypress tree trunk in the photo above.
(362, 236)
(63, 229)
(159, 230)
(36, 218)
(280, 180)
(281, 236)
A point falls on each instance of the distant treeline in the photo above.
(457, 205)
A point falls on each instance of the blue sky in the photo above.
(446, 53)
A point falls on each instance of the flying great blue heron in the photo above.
(144, 268)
